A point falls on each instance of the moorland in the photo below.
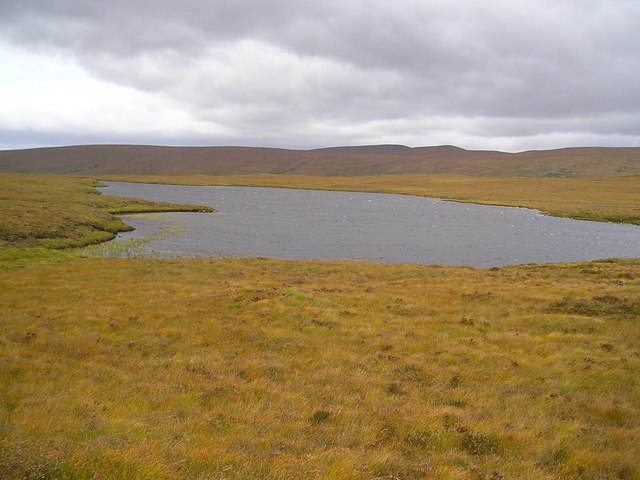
(578, 162)
(272, 369)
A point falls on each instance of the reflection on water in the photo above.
(311, 224)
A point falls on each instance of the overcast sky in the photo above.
(487, 74)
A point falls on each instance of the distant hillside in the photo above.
(336, 161)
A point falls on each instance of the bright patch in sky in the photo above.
(52, 94)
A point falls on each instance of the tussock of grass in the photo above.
(256, 368)
(600, 305)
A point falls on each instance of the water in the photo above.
(312, 224)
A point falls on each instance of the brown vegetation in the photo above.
(341, 161)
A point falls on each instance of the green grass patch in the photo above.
(57, 212)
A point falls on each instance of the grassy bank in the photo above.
(261, 369)
(54, 211)
(615, 199)
(271, 369)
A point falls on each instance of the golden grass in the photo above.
(264, 369)
(55, 211)
(615, 199)
(272, 369)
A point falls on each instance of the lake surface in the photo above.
(313, 224)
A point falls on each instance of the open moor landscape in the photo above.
(255, 368)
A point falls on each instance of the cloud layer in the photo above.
(481, 74)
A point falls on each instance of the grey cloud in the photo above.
(612, 125)
(515, 68)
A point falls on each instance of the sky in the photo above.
(507, 75)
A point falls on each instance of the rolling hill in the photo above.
(579, 162)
